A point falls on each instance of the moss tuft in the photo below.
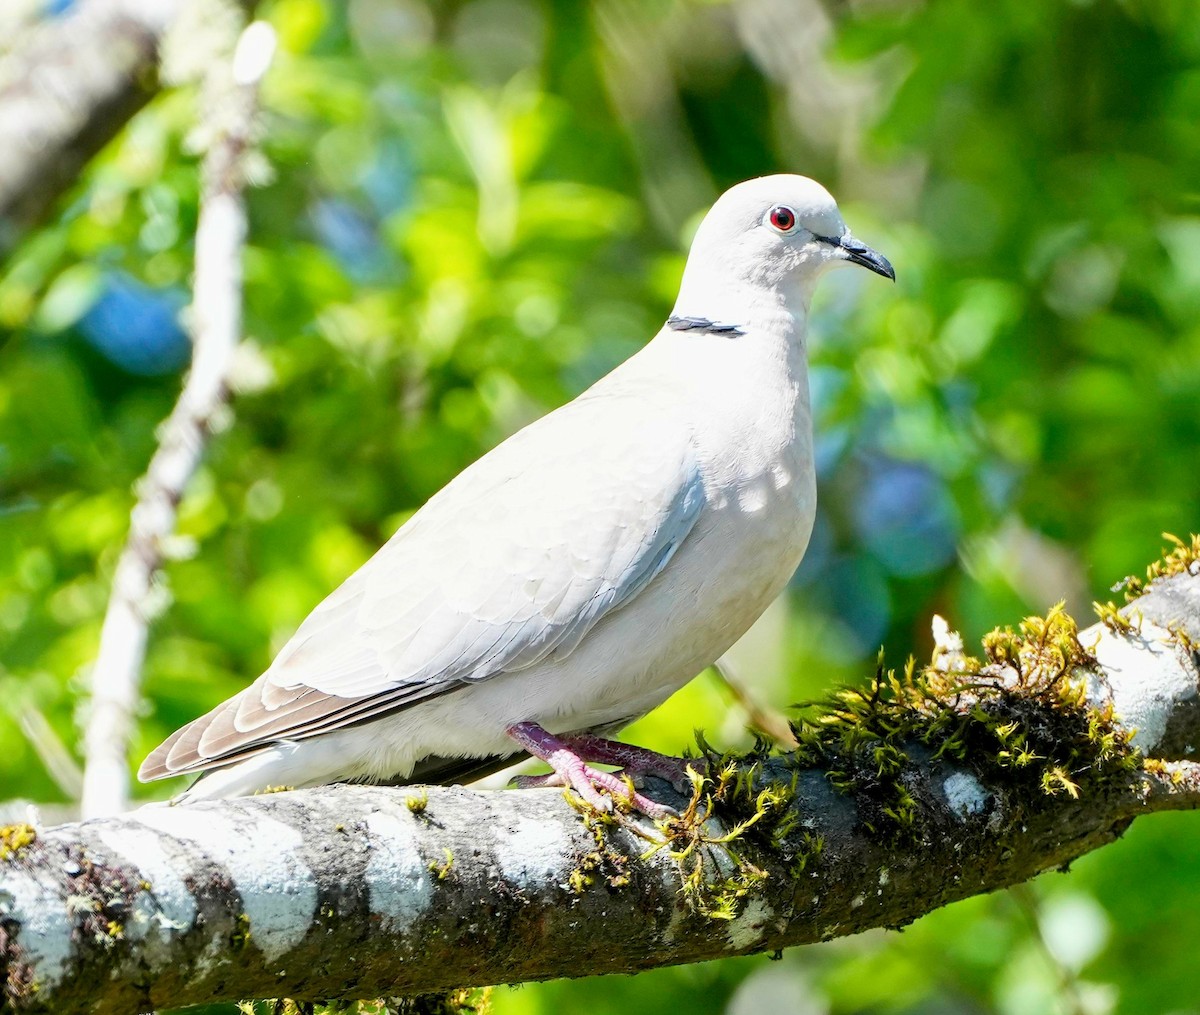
(716, 865)
(1181, 557)
(1185, 641)
(602, 862)
(464, 1001)
(240, 937)
(1164, 770)
(1111, 617)
(443, 868)
(14, 839)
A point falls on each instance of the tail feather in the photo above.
(439, 771)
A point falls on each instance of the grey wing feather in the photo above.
(513, 562)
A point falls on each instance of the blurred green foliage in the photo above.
(477, 208)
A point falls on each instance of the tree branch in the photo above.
(216, 327)
(353, 892)
(66, 91)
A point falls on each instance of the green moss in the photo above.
(14, 839)
(444, 867)
(1181, 557)
(1185, 641)
(464, 1001)
(601, 863)
(717, 868)
(240, 937)
(1112, 618)
(1018, 715)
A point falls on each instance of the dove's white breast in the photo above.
(748, 413)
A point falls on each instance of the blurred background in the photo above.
(475, 209)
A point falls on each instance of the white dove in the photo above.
(578, 574)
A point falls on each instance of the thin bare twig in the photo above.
(1066, 979)
(216, 329)
(54, 755)
(774, 724)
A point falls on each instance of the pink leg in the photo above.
(570, 770)
(632, 760)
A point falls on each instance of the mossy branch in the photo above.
(926, 786)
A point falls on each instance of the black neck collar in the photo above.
(703, 325)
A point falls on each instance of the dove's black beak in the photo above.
(860, 253)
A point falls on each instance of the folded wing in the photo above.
(513, 562)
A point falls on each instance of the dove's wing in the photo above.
(513, 562)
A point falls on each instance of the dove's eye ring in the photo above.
(782, 218)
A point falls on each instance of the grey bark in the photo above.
(354, 892)
(66, 90)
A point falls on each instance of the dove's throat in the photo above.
(748, 390)
(738, 306)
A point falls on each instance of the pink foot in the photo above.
(633, 761)
(570, 770)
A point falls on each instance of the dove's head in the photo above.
(776, 235)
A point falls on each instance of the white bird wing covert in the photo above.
(515, 560)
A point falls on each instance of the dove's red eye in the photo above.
(782, 218)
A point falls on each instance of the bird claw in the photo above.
(620, 791)
(634, 762)
(589, 785)
(571, 771)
